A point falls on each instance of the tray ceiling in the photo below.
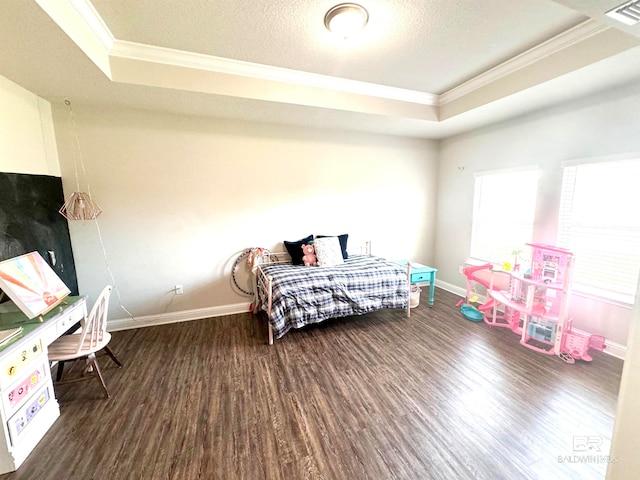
(420, 68)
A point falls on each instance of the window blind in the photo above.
(599, 222)
(503, 214)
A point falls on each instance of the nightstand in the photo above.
(418, 274)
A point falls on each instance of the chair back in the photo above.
(94, 325)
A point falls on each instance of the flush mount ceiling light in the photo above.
(79, 205)
(346, 19)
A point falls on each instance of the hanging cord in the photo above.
(106, 263)
(84, 175)
(76, 152)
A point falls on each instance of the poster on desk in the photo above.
(32, 284)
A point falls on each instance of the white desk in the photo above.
(28, 406)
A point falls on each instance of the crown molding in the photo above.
(198, 61)
(574, 35)
(94, 22)
(89, 16)
(110, 47)
(84, 26)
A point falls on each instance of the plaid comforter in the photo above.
(305, 295)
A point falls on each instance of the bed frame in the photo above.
(263, 282)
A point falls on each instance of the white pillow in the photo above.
(328, 251)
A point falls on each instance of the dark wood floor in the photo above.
(373, 397)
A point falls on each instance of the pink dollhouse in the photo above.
(535, 303)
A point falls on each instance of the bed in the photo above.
(295, 295)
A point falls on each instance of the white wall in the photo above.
(27, 139)
(182, 196)
(624, 446)
(186, 194)
(598, 126)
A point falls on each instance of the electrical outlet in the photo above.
(460, 269)
(178, 289)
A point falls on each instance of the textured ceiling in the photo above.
(425, 45)
(428, 46)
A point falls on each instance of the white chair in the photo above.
(92, 338)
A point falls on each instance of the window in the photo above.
(599, 222)
(503, 212)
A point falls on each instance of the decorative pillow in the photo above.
(343, 243)
(295, 249)
(328, 251)
(309, 256)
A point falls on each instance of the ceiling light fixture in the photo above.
(79, 205)
(346, 19)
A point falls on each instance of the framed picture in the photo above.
(32, 284)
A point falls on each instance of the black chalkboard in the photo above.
(29, 221)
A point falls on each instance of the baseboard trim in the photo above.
(612, 348)
(175, 317)
(615, 349)
(449, 287)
